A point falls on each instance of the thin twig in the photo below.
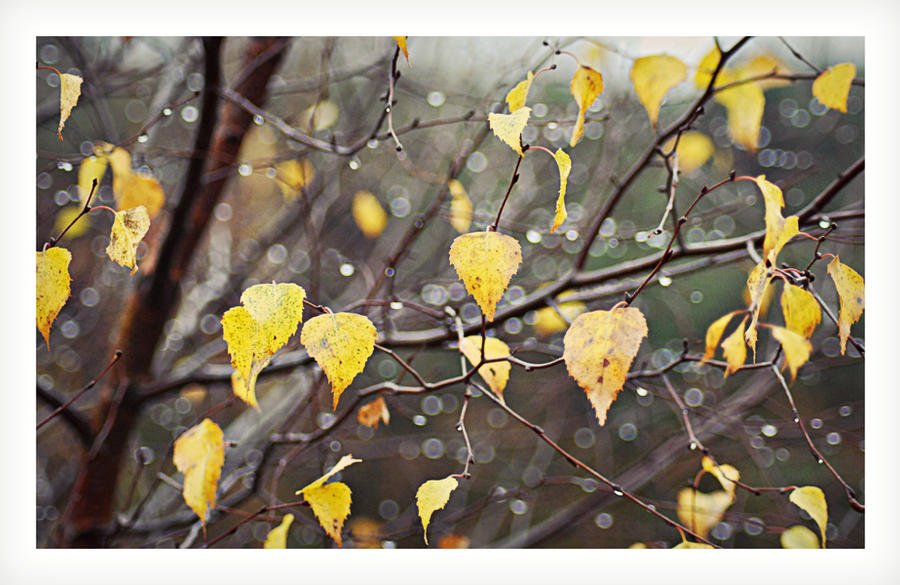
(81, 392)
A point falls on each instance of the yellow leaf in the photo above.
(292, 176)
(508, 127)
(811, 499)
(700, 511)
(586, 85)
(598, 350)
(460, 207)
(517, 95)
(496, 374)
(796, 348)
(706, 67)
(431, 496)
(341, 343)
(801, 310)
(762, 65)
(832, 87)
(565, 165)
(486, 261)
(694, 149)
(120, 161)
(799, 537)
(653, 77)
(255, 331)
(65, 216)
(277, 537)
(778, 229)
(69, 91)
(126, 233)
(714, 334)
(366, 533)
(453, 541)
(92, 167)
(53, 287)
(756, 285)
(368, 214)
(726, 474)
(851, 291)
(638, 545)
(140, 190)
(735, 350)
(320, 116)
(686, 544)
(548, 321)
(330, 502)
(373, 412)
(199, 454)
(401, 42)
(745, 104)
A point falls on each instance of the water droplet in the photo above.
(819, 461)
(64, 165)
(797, 419)
(167, 112)
(618, 493)
(353, 164)
(347, 270)
(533, 236)
(245, 169)
(143, 138)
(693, 446)
(258, 120)
(436, 99)
(419, 420)
(396, 305)
(664, 280)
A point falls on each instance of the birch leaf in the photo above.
(796, 348)
(653, 77)
(832, 86)
(851, 292)
(811, 499)
(368, 214)
(714, 334)
(565, 165)
(453, 541)
(460, 207)
(126, 233)
(686, 544)
(330, 502)
(735, 350)
(486, 261)
(139, 190)
(496, 374)
(268, 317)
(598, 350)
(341, 343)
(401, 42)
(69, 91)
(745, 104)
(701, 511)
(586, 85)
(277, 537)
(517, 95)
(801, 310)
(431, 496)
(92, 167)
(53, 285)
(508, 127)
(549, 321)
(199, 454)
(778, 229)
(706, 67)
(799, 537)
(724, 473)
(372, 413)
(756, 286)
(292, 176)
(694, 149)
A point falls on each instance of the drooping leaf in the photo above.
(330, 502)
(714, 334)
(796, 348)
(851, 291)
(199, 454)
(694, 149)
(517, 95)
(292, 175)
(653, 77)
(778, 229)
(277, 537)
(799, 537)
(460, 207)
(69, 91)
(401, 42)
(735, 349)
(53, 285)
(341, 343)
(832, 86)
(140, 190)
(757, 282)
(565, 165)
(372, 413)
(508, 127)
(126, 234)
(268, 317)
(549, 321)
(120, 161)
(320, 116)
(700, 511)
(801, 310)
(706, 67)
(811, 499)
(745, 104)
(368, 214)
(726, 474)
(496, 374)
(586, 85)
(92, 167)
(486, 261)
(431, 496)
(598, 350)
(763, 65)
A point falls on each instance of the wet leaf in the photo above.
(277, 537)
(714, 334)
(726, 474)
(778, 229)
(548, 320)
(811, 499)
(735, 350)
(431, 496)
(330, 502)
(801, 310)
(796, 348)
(757, 282)
(486, 261)
(745, 104)
(69, 91)
(496, 374)
(653, 77)
(701, 511)
(127, 231)
(341, 343)
(598, 350)
(799, 537)
(368, 214)
(517, 95)
(586, 86)
(508, 127)
(851, 291)
(53, 285)
(460, 207)
(372, 413)
(832, 86)
(199, 454)
(565, 165)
